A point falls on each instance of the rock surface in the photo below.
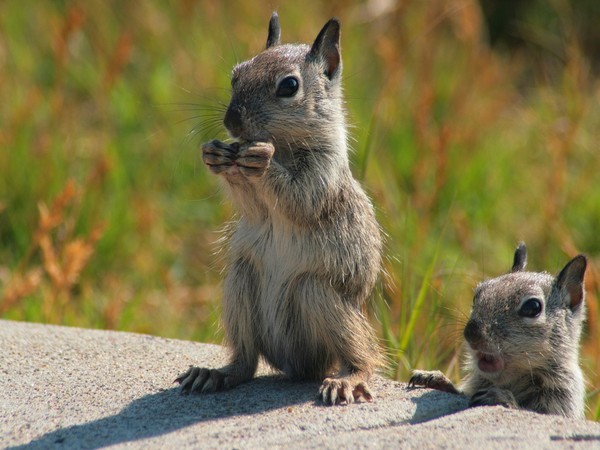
(73, 388)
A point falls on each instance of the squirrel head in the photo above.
(523, 320)
(289, 94)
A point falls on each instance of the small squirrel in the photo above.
(523, 342)
(305, 253)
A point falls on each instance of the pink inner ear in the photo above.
(333, 61)
(572, 279)
(575, 291)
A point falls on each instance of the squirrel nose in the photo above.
(233, 120)
(472, 332)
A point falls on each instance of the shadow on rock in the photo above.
(168, 411)
(435, 404)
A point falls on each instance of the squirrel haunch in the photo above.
(305, 253)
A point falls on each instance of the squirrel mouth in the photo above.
(489, 363)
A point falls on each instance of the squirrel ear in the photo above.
(520, 258)
(327, 48)
(570, 279)
(274, 31)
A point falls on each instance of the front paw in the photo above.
(219, 156)
(201, 380)
(341, 391)
(433, 379)
(254, 158)
(493, 396)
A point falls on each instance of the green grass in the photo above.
(465, 151)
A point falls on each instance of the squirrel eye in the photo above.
(287, 87)
(531, 308)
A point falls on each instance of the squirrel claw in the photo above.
(493, 396)
(219, 156)
(202, 380)
(336, 392)
(254, 158)
(339, 391)
(433, 379)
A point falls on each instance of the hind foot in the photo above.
(344, 390)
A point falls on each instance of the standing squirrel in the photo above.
(305, 254)
(523, 342)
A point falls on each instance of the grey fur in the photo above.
(274, 35)
(305, 253)
(520, 258)
(537, 357)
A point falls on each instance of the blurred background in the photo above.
(475, 124)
